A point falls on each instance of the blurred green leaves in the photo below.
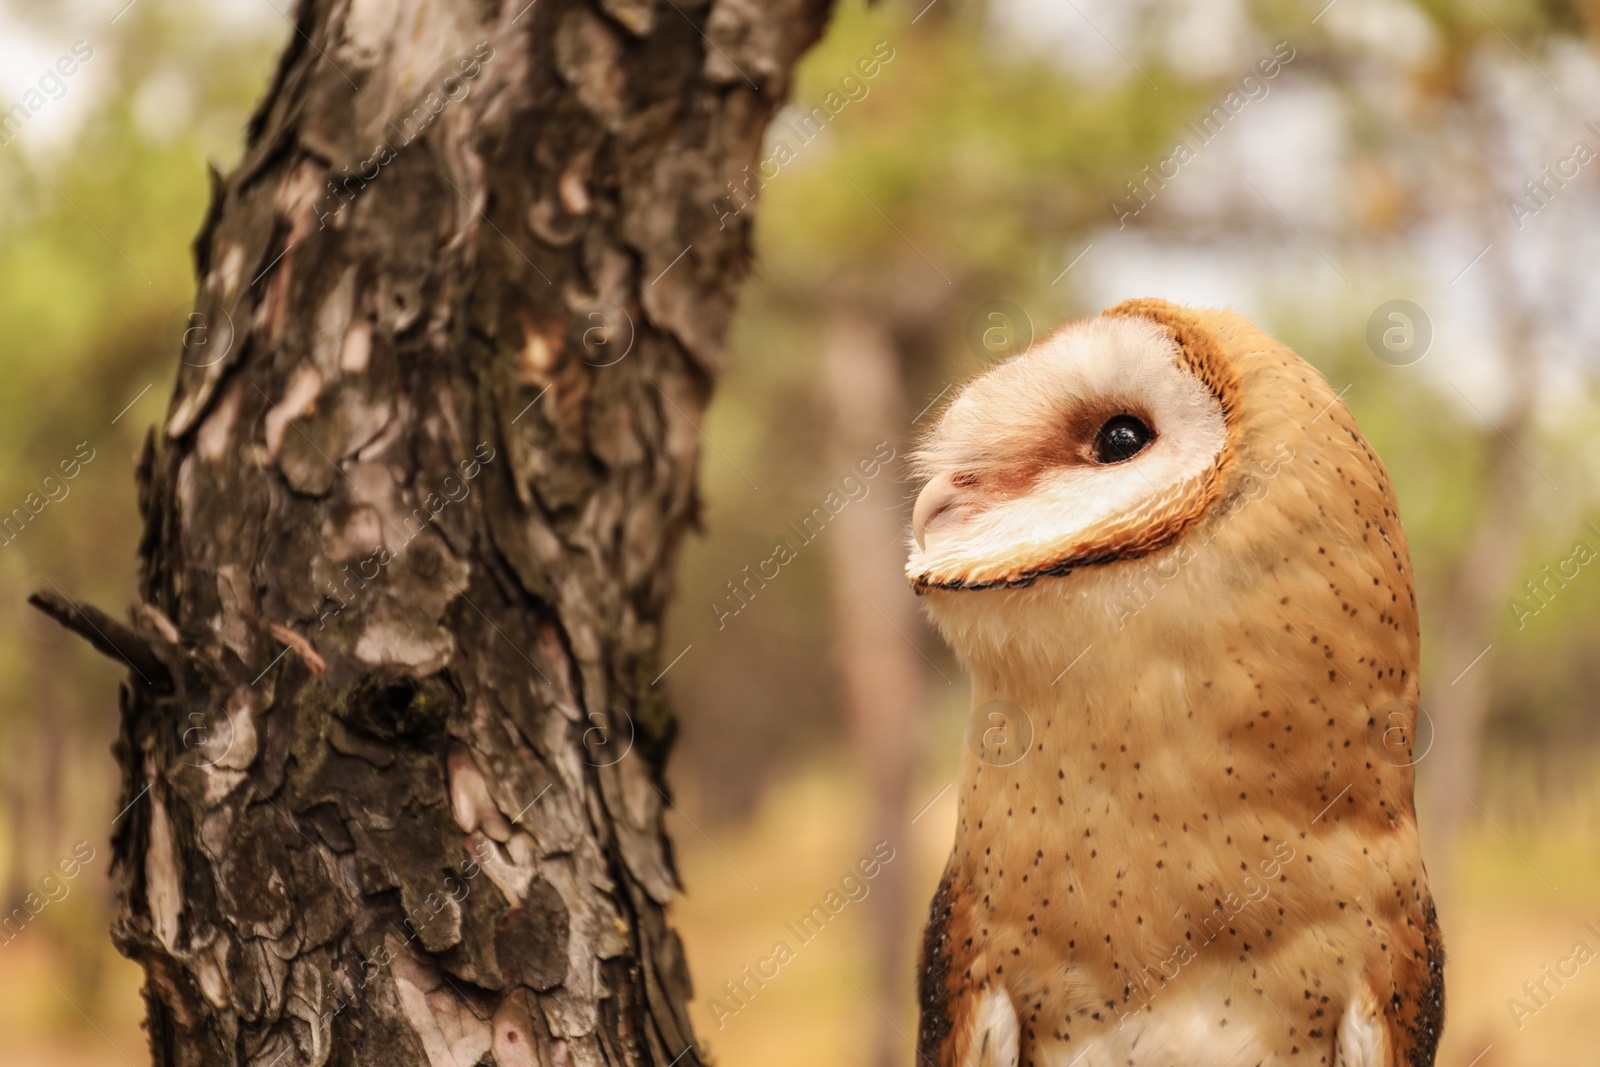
(966, 151)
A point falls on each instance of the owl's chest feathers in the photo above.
(1144, 848)
(1125, 865)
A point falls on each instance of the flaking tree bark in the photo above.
(392, 739)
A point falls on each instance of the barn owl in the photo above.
(1185, 836)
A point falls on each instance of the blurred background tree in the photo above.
(975, 174)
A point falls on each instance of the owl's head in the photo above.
(1102, 443)
(1136, 440)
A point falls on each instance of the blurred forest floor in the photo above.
(1507, 925)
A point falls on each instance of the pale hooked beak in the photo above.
(938, 496)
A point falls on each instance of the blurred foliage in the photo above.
(976, 165)
(976, 155)
(102, 199)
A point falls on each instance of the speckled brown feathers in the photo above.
(1192, 838)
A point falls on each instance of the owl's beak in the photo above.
(937, 497)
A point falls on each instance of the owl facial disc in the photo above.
(1101, 443)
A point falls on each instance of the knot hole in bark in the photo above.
(393, 706)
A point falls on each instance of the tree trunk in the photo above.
(393, 736)
(876, 620)
(1460, 686)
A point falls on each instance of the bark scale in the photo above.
(393, 733)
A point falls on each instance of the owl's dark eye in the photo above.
(1121, 438)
